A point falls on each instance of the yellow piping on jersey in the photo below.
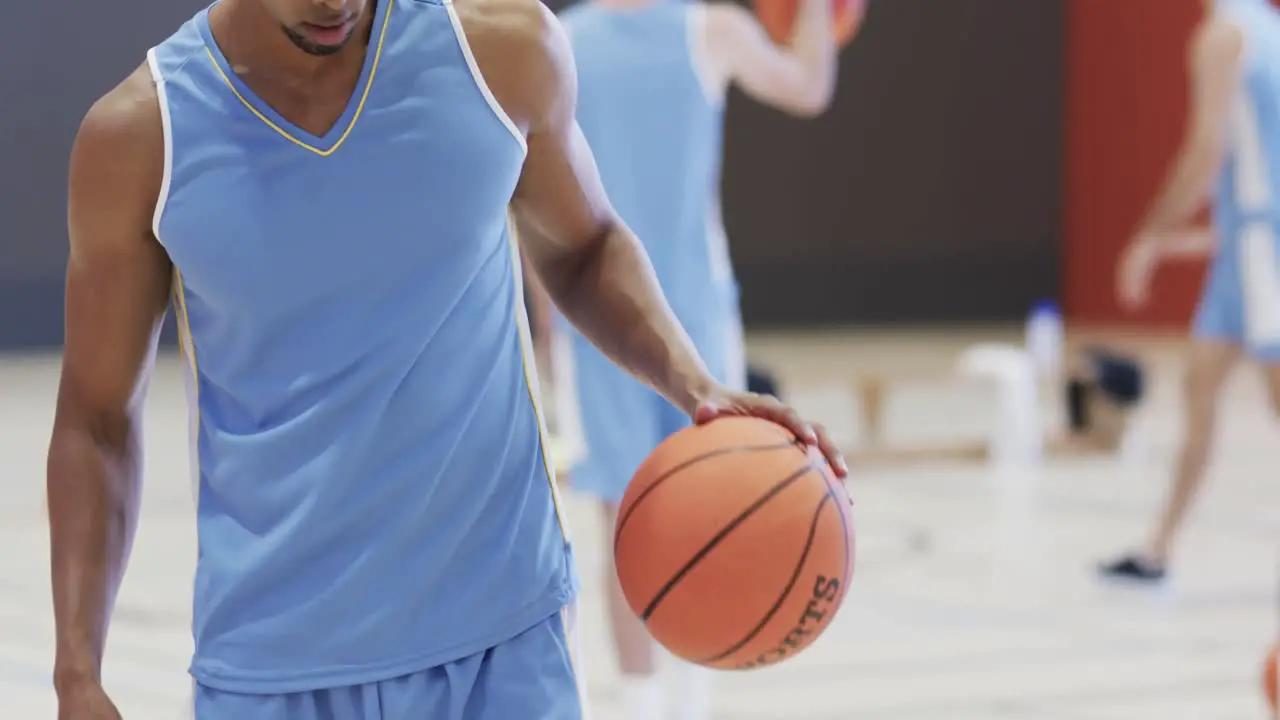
(364, 95)
(531, 374)
(186, 346)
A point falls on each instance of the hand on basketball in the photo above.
(87, 701)
(1137, 267)
(726, 403)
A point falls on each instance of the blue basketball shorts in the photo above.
(533, 676)
(621, 420)
(1240, 302)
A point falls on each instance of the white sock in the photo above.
(688, 691)
(642, 697)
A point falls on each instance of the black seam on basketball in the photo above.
(617, 531)
(720, 536)
(844, 524)
(777, 604)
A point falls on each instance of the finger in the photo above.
(834, 457)
(788, 418)
(705, 413)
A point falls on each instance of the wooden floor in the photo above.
(974, 597)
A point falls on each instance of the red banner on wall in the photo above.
(1125, 111)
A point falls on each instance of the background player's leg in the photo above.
(620, 424)
(1217, 333)
(634, 647)
(1210, 363)
(689, 686)
(1271, 371)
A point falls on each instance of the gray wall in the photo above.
(929, 193)
(57, 58)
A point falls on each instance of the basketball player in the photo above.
(323, 188)
(653, 76)
(1233, 140)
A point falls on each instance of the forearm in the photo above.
(1185, 190)
(1192, 242)
(93, 491)
(813, 44)
(610, 293)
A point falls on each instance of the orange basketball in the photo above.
(735, 544)
(777, 17)
(1269, 676)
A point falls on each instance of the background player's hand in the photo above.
(1137, 266)
(86, 701)
(726, 403)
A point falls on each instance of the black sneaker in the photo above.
(1133, 568)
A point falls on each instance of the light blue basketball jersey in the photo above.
(1247, 187)
(1242, 295)
(373, 497)
(657, 136)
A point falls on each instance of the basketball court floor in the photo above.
(973, 599)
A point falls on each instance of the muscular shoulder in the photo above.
(524, 56)
(117, 161)
(126, 122)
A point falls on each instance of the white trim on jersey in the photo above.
(1253, 183)
(166, 122)
(719, 259)
(713, 78)
(1255, 197)
(1260, 283)
(191, 376)
(478, 78)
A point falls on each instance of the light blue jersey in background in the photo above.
(1241, 299)
(654, 119)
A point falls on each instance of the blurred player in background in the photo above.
(1233, 140)
(653, 76)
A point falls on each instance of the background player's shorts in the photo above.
(1240, 302)
(621, 419)
(533, 675)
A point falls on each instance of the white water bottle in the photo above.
(1045, 337)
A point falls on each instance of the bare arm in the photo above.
(1216, 58)
(118, 281)
(1191, 242)
(592, 266)
(798, 78)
